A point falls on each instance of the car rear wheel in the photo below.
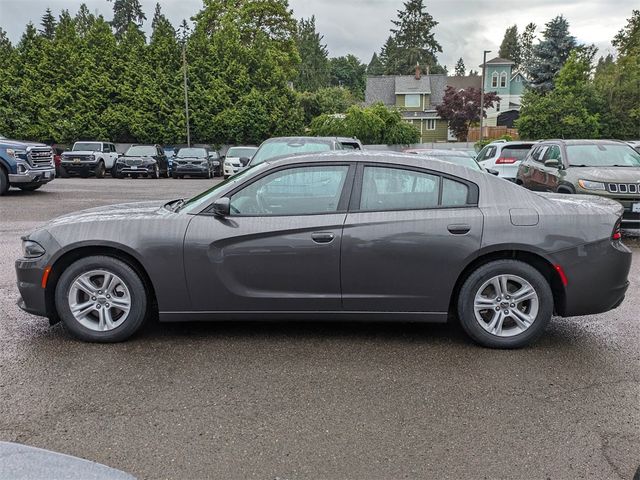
(505, 304)
(101, 299)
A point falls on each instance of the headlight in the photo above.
(589, 185)
(14, 153)
(31, 249)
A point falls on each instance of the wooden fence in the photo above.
(491, 133)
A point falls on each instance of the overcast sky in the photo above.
(466, 27)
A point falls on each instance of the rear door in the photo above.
(406, 239)
(533, 175)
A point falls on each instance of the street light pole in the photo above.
(484, 69)
(186, 92)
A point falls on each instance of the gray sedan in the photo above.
(333, 236)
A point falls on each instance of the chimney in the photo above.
(418, 71)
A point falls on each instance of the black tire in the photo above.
(63, 172)
(100, 170)
(29, 188)
(477, 279)
(174, 175)
(156, 173)
(4, 182)
(139, 301)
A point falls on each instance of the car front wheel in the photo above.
(505, 304)
(101, 299)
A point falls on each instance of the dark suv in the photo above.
(606, 168)
(195, 162)
(143, 161)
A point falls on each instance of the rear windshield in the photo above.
(599, 155)
(192, 152)
(241, 152)
(90, 146)
(518, 152)
(288, 147)
(141, 151)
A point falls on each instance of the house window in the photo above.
(494, 79)
(412, 101)
(430, 124)
(503, 79)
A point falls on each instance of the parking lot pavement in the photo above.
(313, 400)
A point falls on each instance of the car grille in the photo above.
(629, 188)
(189, 162)
(132, 162)
(40, 156)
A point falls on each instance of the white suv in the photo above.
(504, 157)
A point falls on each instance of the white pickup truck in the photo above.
(89, 158)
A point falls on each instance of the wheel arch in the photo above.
(80, 251)
(535, 259)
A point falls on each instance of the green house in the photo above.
(502, 78)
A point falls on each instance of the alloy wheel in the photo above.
(99, 300)
(506, 305)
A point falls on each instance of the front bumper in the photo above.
(82, 167)
(200, 170)
(33, 296)
(33, 176)
(597, 277)
(134, 169)
(230, 169)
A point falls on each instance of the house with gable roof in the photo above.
(509, 84)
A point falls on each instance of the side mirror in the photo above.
(552, 163)
(222, 207)
(493, 172)
(244, 161)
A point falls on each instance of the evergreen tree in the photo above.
(125, 14)
(348, 72)
(460, 69)
(389, 57)
(550, 54)
(414, 37)
(184, 30)
(510, 46)
(6, 86)
(48, 24)
(375, 67)
(525, 43)
(84, 20)
(314, 65)
(474, 73)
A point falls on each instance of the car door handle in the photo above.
(458, 229)
(322, 237)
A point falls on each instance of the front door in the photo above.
(408, 240)
(279, 249)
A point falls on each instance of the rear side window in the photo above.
(395, 189)
(538, 153)
(454, 194)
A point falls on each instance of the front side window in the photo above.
(386, 188)
(553, 153)
(412, 101)
(294, 191)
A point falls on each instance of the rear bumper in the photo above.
(597, 277)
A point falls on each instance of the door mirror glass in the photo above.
(493, 172)
(221, 207)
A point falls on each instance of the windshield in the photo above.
(141, 151)
(202, 199)
(288, 147)
(90, 146)
(241, 152)
(191, 152)
(602, 155)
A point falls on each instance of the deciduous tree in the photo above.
(461, 108)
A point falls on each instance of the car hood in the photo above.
(129, 211)
(19, 144)
(79, 152)
(607, 174)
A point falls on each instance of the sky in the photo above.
(465, 29)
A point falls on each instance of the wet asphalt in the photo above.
(305, 400)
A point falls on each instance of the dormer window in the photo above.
(503, 79)
(494, 80)
(412, 101)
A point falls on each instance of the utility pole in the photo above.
(484, 69)
(186, 92)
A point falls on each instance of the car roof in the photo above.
(293, 139)
(585, 141)
(439, 152)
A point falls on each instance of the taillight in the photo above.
(506, 160)
(617, 231)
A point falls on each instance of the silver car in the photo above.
(334, 236)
